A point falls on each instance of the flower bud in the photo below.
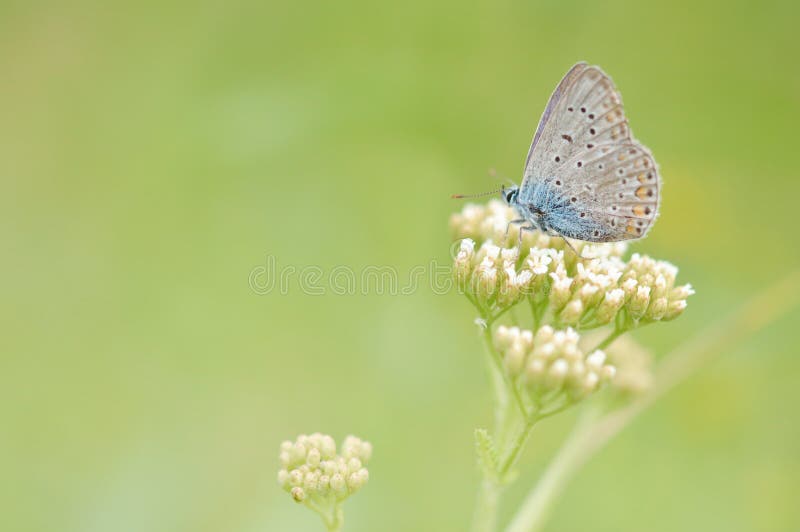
(674, 309)
(338, 483)
(283, 478)
(596, 360)
(590, 382)
(557, 373)
(639, 302)
(657, 308)
(298, 494)
(514, 358)
(608, 308)
(560, 289)
(313, 457)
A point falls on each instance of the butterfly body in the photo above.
(549, 210)
(586, 177)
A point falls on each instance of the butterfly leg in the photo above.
(550, 232)
(570, 245)
(508, 227)
(522, 228)
(575, 251)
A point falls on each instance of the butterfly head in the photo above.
(510, 194)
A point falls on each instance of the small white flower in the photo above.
(498, 272)
(560, 291)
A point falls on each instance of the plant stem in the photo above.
(330, 512)
(485, 517)
(535, 508)
(593, 432)
(337, 519)
(610, 338)
(516, 446)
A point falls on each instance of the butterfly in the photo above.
(586, 177)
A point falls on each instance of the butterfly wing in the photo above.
(584, 144)
(555, 98)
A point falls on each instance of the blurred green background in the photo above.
(152, 154)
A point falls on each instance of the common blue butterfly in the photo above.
(586, 177)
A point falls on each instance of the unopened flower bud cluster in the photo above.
(634, 365)
(581, 293)
(551, 361)
(311, 467)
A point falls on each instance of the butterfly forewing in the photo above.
(555, 98)
(584, 143)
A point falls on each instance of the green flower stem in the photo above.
(518, 443)
(485, 517)
(593, 432)
(331, 514)
(613, 335)
(337, 519)
(516, 446)
(535, 509)
(534, 313)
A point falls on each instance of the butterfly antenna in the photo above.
(461, 196)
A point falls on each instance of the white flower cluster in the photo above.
(311, 468)
(650, 285)
(551, 361)
(581, 293)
